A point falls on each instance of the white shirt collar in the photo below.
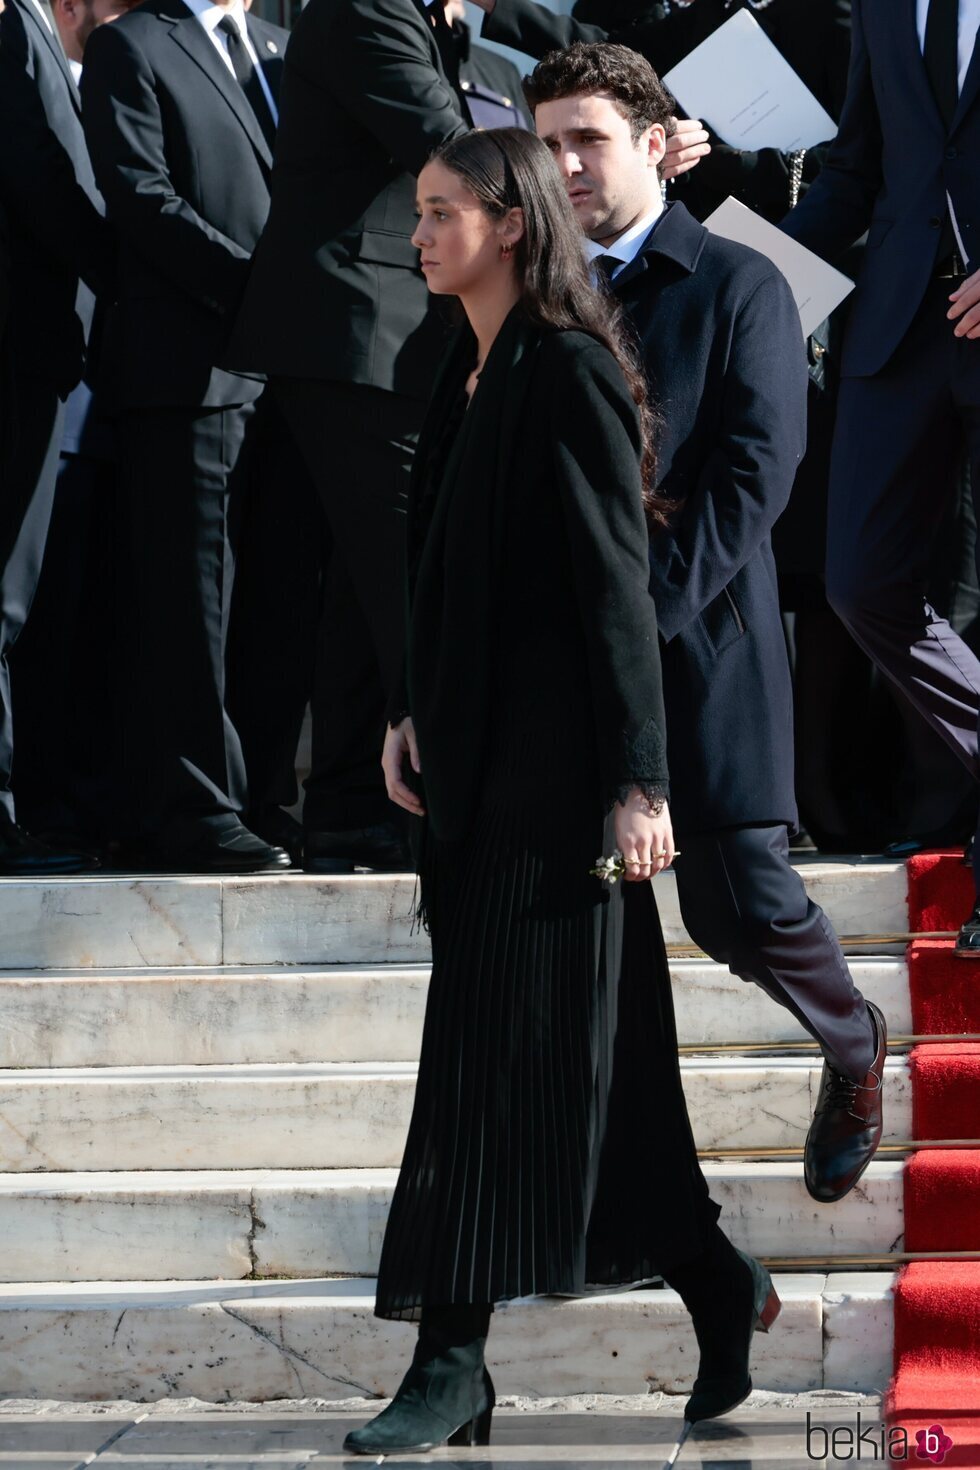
(209, 15)
(627, 246)
(76, 70)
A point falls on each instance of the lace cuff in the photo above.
(641, 764)
(656, 795)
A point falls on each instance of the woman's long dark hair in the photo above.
(508, 168)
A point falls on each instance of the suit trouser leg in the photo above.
(899, 436)
(182, 471)
(358, 443)
(276, 611)
(745, 905)
(29, 474)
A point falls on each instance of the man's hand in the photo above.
(685, 149)
(646, 841)
(965, 310)
(400, 742)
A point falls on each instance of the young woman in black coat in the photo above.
(529, 741)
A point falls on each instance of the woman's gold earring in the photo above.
(505, 250)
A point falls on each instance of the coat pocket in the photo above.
(722, 621)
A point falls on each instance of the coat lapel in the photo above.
(187, 31)
(677, 236)
(53, 45)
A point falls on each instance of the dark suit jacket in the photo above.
(185, 168)
(60, 247)
(813, 36)
(336, 292)
(889, 172)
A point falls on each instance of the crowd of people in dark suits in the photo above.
(210, 409)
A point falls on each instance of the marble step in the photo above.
(123, 922)
(307, 1223)
(343, 1115)
(329, 1013)
(219, 1341)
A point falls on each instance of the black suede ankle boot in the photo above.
(446, 1397)
(729, 1295)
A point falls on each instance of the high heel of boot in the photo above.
(476, 1431)
(764, 1294)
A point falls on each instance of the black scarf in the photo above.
(454, 555)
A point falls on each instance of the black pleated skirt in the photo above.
(549, 1150)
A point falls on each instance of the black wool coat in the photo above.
(184, 167)
(529, 609)
(721, 340)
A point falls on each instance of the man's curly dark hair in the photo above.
(590, 67)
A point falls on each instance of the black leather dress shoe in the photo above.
(967, 946)
(23, 856)
(277, 828)
(379, 849)
(847, 1122)
(232, 849)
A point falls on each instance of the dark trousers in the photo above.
(273, 638)
(28, 475)
(900, 436)
(183, 474)
(358, 444)
(66, 664)
(745, 905)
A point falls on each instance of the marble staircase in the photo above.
(204, 1090)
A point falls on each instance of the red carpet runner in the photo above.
(937, 1304)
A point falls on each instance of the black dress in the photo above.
(549, 1149)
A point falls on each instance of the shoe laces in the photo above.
(841, 1091)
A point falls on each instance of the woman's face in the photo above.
(461, 246)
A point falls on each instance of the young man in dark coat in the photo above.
(721, 341)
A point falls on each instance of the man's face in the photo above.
(611, 180)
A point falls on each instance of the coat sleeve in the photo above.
(745, 482)
(124, 129)
(838, 204)
(40, 190)
(597, 447)
(382, 72)
(535, 30)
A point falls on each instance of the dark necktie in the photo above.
(604, 267)
(248, 77)
(941, 54)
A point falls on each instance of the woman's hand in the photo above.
(400, 742)
(646, 841)
(685, 148)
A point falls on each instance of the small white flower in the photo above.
(610, 868)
